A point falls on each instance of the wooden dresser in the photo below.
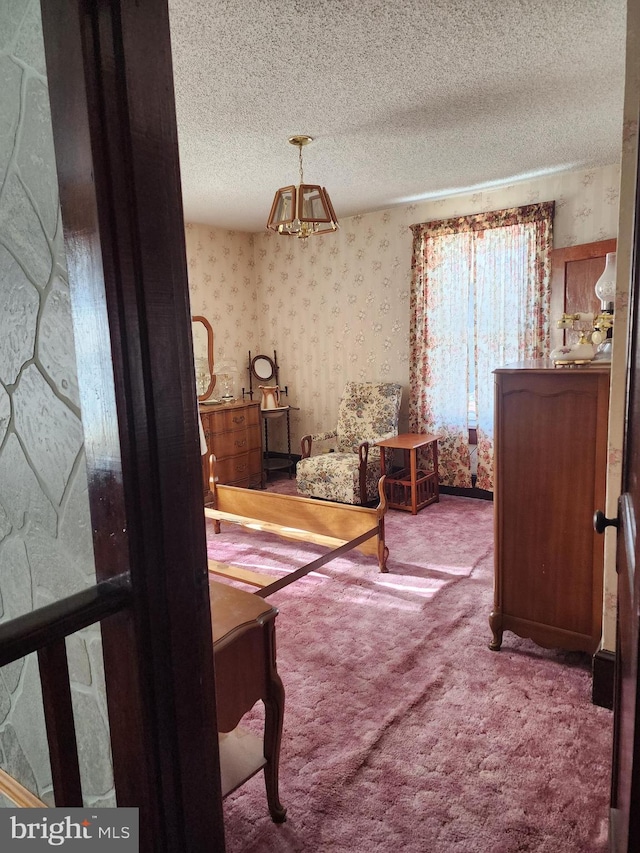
(550, 467)
(234, 436)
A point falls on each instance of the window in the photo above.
(479, 300)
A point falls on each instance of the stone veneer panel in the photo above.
(55, 345)
(22, 231)
(5, 414)
(34, 162)
(16, 581)
(10, 77)
(51, 453)
(19, 304)
(46, 548)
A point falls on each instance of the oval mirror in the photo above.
(263, 367)
(203, 356)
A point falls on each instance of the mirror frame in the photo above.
(198, 318)
(258, 375)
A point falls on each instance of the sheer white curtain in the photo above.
(439, 381)
(479, 300)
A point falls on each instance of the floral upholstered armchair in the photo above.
(368, 412)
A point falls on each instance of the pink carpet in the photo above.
(402, 731)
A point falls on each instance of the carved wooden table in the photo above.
(244, 648)
(411, 489)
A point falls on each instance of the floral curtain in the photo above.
(479, 299)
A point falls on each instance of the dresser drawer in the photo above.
(241, 467)
(232, 443)
(229, 420)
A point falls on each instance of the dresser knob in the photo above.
(601, 522)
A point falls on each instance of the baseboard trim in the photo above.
(482, 494)
(603, 670)
(276, 454)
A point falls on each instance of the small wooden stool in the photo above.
(411, 489)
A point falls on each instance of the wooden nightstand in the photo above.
(244, 649)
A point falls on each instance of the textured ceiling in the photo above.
(405, 100)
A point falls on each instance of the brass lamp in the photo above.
(303, 210)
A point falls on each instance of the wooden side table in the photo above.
(277, 463)
(411, 489)
(244, 650)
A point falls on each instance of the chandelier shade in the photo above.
(303, 210)
(606, 284)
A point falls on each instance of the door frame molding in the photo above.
(113, 114)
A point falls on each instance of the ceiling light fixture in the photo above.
(303, 210)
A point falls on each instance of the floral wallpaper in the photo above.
(223, 289)
(46, 547)
(336, 308)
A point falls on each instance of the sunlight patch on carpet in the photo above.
(389, 596)
(423, 591)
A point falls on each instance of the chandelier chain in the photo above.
(300, 160)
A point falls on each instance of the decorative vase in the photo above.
(270, 396)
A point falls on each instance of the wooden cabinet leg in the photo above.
(495, 623)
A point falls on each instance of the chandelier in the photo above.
(303, 210)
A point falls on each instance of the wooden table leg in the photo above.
(434, 458)
(383, 461)
(273, 718)
(414, 481)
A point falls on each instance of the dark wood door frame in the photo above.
(111, 90)
(624, 827)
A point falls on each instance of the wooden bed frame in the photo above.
(340, 527)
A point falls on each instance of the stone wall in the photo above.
(46, 549)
